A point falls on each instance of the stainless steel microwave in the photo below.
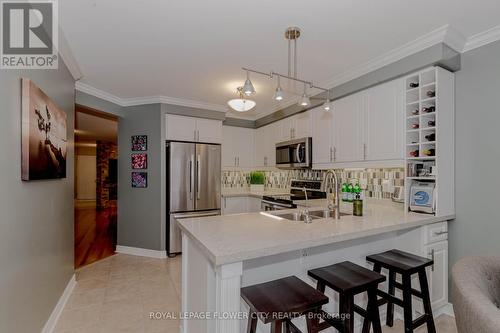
(294, 154)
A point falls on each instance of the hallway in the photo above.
(95, 232)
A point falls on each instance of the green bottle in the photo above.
(344, 192)
(350, 193)
(357, 190)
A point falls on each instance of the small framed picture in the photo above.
(139, 161)
(139, 142)
(139, 179)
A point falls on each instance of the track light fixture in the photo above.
(326, 105)
(248, 88)
(304, 100)
(279, 94)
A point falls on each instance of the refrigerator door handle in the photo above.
(191, 177)
(198, 168)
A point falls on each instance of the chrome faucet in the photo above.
(335, 206)
(305, 212)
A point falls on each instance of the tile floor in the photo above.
(118, 293)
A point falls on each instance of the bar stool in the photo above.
(278, 301)
(348, 279)
(405, 264)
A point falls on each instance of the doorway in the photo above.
(96, 183)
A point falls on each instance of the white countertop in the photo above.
(247, 193)
(233, 238)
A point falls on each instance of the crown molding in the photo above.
(124, 102)
(455, 39)
(482, 38)
(68, 57)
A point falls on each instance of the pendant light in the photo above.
(248, 88)
(279, 94)
(304, 100)
(241, 104)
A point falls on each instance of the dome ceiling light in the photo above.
(241, 104)
(291, 34)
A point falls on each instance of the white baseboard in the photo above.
(446, 310)
(50, 325)
(137, 251)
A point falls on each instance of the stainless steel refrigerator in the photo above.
(193, 183)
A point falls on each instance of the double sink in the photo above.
(314, 214)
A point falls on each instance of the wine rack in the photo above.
(429, 134)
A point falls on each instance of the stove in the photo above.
(315, 190)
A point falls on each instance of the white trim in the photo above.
(455, 39)
(482, 38)
(68, 57)
(446, 310)
(133, 101)
(50, 325)
(136, 251)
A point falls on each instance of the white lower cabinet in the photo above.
(438, 273)
(238, 205)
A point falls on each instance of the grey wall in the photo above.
(36, 218)
(140, 211)
(476, 229)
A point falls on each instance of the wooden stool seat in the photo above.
(348, 279)
(277, 300)
(406, 264)
(399, 261)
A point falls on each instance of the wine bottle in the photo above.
(429, 152)
(429, 109)
(415, 126)
(414, 153)
(415, 112)
(431, 137)
(413, 84)
(431, 93)
(431, 123)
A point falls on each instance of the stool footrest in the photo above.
(361, 311)
(388, 297)
(292, 328)
(420, 321)
(413, 291)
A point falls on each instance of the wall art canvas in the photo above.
(140, 161)
(139, 142)
(44, 137)
(139, 179)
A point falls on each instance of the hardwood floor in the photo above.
(95, 232)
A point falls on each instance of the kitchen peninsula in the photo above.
(221, 254)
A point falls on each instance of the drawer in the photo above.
(436, 232)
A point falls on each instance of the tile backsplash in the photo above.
(377, 183)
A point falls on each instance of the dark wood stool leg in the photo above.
(407, 303)
(390, 306)
(252, 322)
(277, 326)
(346, 303)
(424, 288)
(313, 323)
(373, 311)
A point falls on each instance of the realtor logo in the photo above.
(29, 33)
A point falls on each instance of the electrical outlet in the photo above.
(305, 253)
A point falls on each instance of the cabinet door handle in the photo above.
(439, 233)
(235, 161)
(238, 161)
(194, 135)
(431, 253)
(265, 160)
(334, 154)
(364, 151)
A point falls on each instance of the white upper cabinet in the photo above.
(348, 129)
(209, 130)
(182, 128)
(295, 127)
(383, 125)
(237, 147)
(265, 143)
(322, 136)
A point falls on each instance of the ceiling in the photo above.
(193, 50)
(90, 128)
